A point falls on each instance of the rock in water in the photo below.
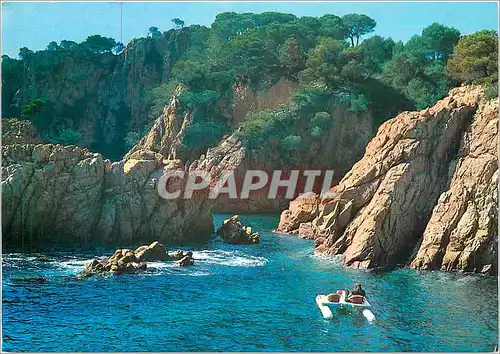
(177, 255)
(297, 218)
(232, 231)
(94, 267)
(154, 252)
(187, 260)
(83, 199)
(126, 261)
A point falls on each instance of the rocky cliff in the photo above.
(423, 194)
(55, 195)
(67, 194)
(169, 129)
(16, 131)
(341, 145)
(102, 97)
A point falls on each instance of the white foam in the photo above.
(198, 273)
(229, 258)
(171, 268)
(74, 265)
(333, 260)
(162, 265)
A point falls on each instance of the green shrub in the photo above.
(321, 119)
(191, 100)
(312, 100)
(203, 135)
(491, 91)
(260, 127)
(316, 132)
(38, 110)
(291, 143)
(66, 137)
(359, 103)
(159, 97)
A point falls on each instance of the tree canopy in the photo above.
(475, 59)
(357, 25)
(99, 44)
(154, 32)
(333, 60)
(178, 22)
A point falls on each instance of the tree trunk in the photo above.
(352, 40)
(357, 40)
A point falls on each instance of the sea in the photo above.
(240, 298)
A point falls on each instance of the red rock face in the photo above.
(462, 231)
(424, 193)
(297, 219)
(340, 146)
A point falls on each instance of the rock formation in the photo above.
(232, 231)
(424, 193)
(186, 260)
(246, 99)
(462, 230)
(103, 97)
(67, 196)
(166, 134)
(15, 131)
(338, 149)
(154, 252)
(126, 261)
(297, 218)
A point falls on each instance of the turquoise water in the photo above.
(240, 298)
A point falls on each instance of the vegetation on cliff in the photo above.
(104, 96)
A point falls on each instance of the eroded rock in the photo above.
(462, 231)
(232, 231)
(16, 131)
(154, 252)
(66, 195)
(424, 193)
(186, 260)
(297, 218)
(127, 261)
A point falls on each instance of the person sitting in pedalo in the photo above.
(357, 295)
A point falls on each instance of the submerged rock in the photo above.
(179, 254)
(29, 280)
(95, 266)
(176, 255)
(187, 260)
(232, 231)
(127, 261)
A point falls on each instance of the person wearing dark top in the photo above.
(358, 290)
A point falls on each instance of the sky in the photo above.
(34, 25)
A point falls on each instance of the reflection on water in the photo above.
(240, 298)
